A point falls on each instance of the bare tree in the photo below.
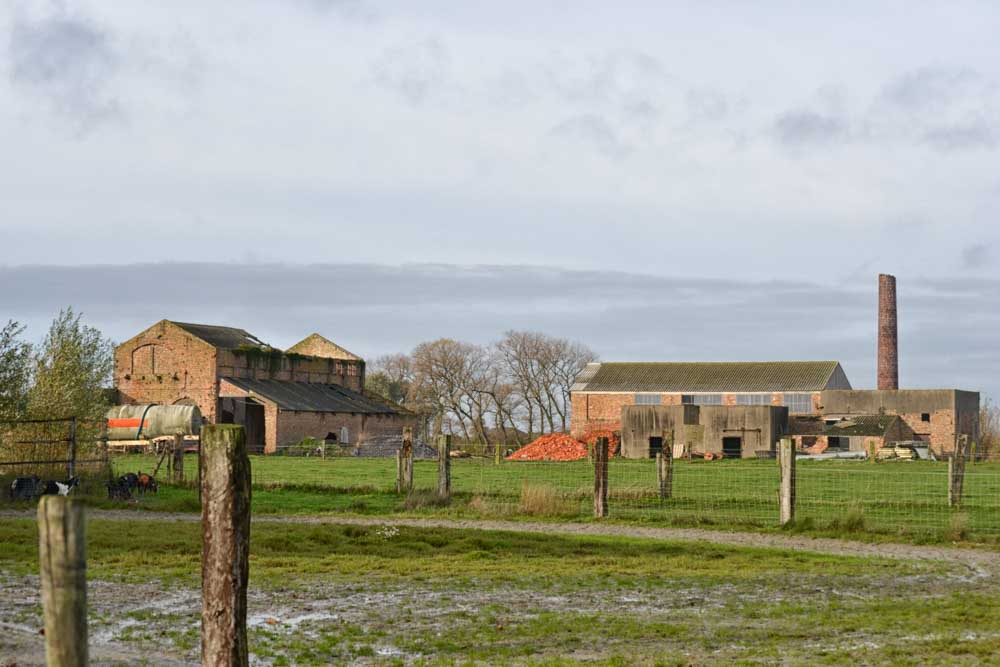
(989, 430)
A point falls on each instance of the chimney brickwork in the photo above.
(888, 344)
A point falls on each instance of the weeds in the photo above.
(541, 500)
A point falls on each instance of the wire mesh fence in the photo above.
(53, 449)
(888, 496)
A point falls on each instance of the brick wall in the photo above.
(166, 365)
(295, 426)
(292, 368)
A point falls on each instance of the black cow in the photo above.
(59, 488)
(130, 480)
(118, 490)
(26, 488)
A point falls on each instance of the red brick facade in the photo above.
(166, 364)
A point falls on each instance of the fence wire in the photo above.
(907, 497)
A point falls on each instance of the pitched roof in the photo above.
(315, 345)
(312, 397)
(708, 376)
(228, 338)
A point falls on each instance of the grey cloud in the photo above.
(374, 309)
(414, 71)
(797, 129)
(961, 137)
(593, 131)
(975, 255)
(931, 87)
(68, 60)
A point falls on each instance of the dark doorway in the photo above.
(732, 448)
(655, 446)
(255, 426)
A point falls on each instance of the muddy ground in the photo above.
(417, 622)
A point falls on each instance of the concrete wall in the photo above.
(640, 422)
(759, 426)
(935, 416)
(702, 428)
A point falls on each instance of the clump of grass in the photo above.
(852, 522)
(423, 499)
(958, 528)
(543, 500)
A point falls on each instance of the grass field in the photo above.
(899, 498)
(328, 594)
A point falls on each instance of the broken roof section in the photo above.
(312, 397)
(712, 376)
(315, 345)
(861, 425)
(227, 338)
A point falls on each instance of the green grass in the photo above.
(172, 549)
(477, 597)
(907, 499)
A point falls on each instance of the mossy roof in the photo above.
(707, 376)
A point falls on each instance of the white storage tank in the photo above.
(144, 422)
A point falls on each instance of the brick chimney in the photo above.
(888, 348)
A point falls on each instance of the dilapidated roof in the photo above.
(227, 338)
(861, 425)
(312, 397)
(710, 376)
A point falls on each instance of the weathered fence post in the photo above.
(956, 472)
(71, 464)
(225, 524)
(786, 485)
(399, 471)
(601, 478)
(404, 463)
(63, 560)
(444, 467)
(178, 456)
(665, 467)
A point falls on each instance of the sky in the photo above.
(675, 180)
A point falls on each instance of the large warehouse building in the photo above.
(742, 408)
(314, 389)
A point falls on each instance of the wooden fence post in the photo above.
(407, 461)
(956, 472)
(444, 467)
(786, 486)
(63, 562)
(178, 457)
(225, 525)
(399, 471)
(665, 468)
(601, 478)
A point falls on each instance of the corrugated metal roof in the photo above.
(227, 338)
(707, 376)
(312, 397)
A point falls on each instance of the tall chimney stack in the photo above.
(888, 346)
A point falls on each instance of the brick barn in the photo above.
(314, 389)
(741, 408)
